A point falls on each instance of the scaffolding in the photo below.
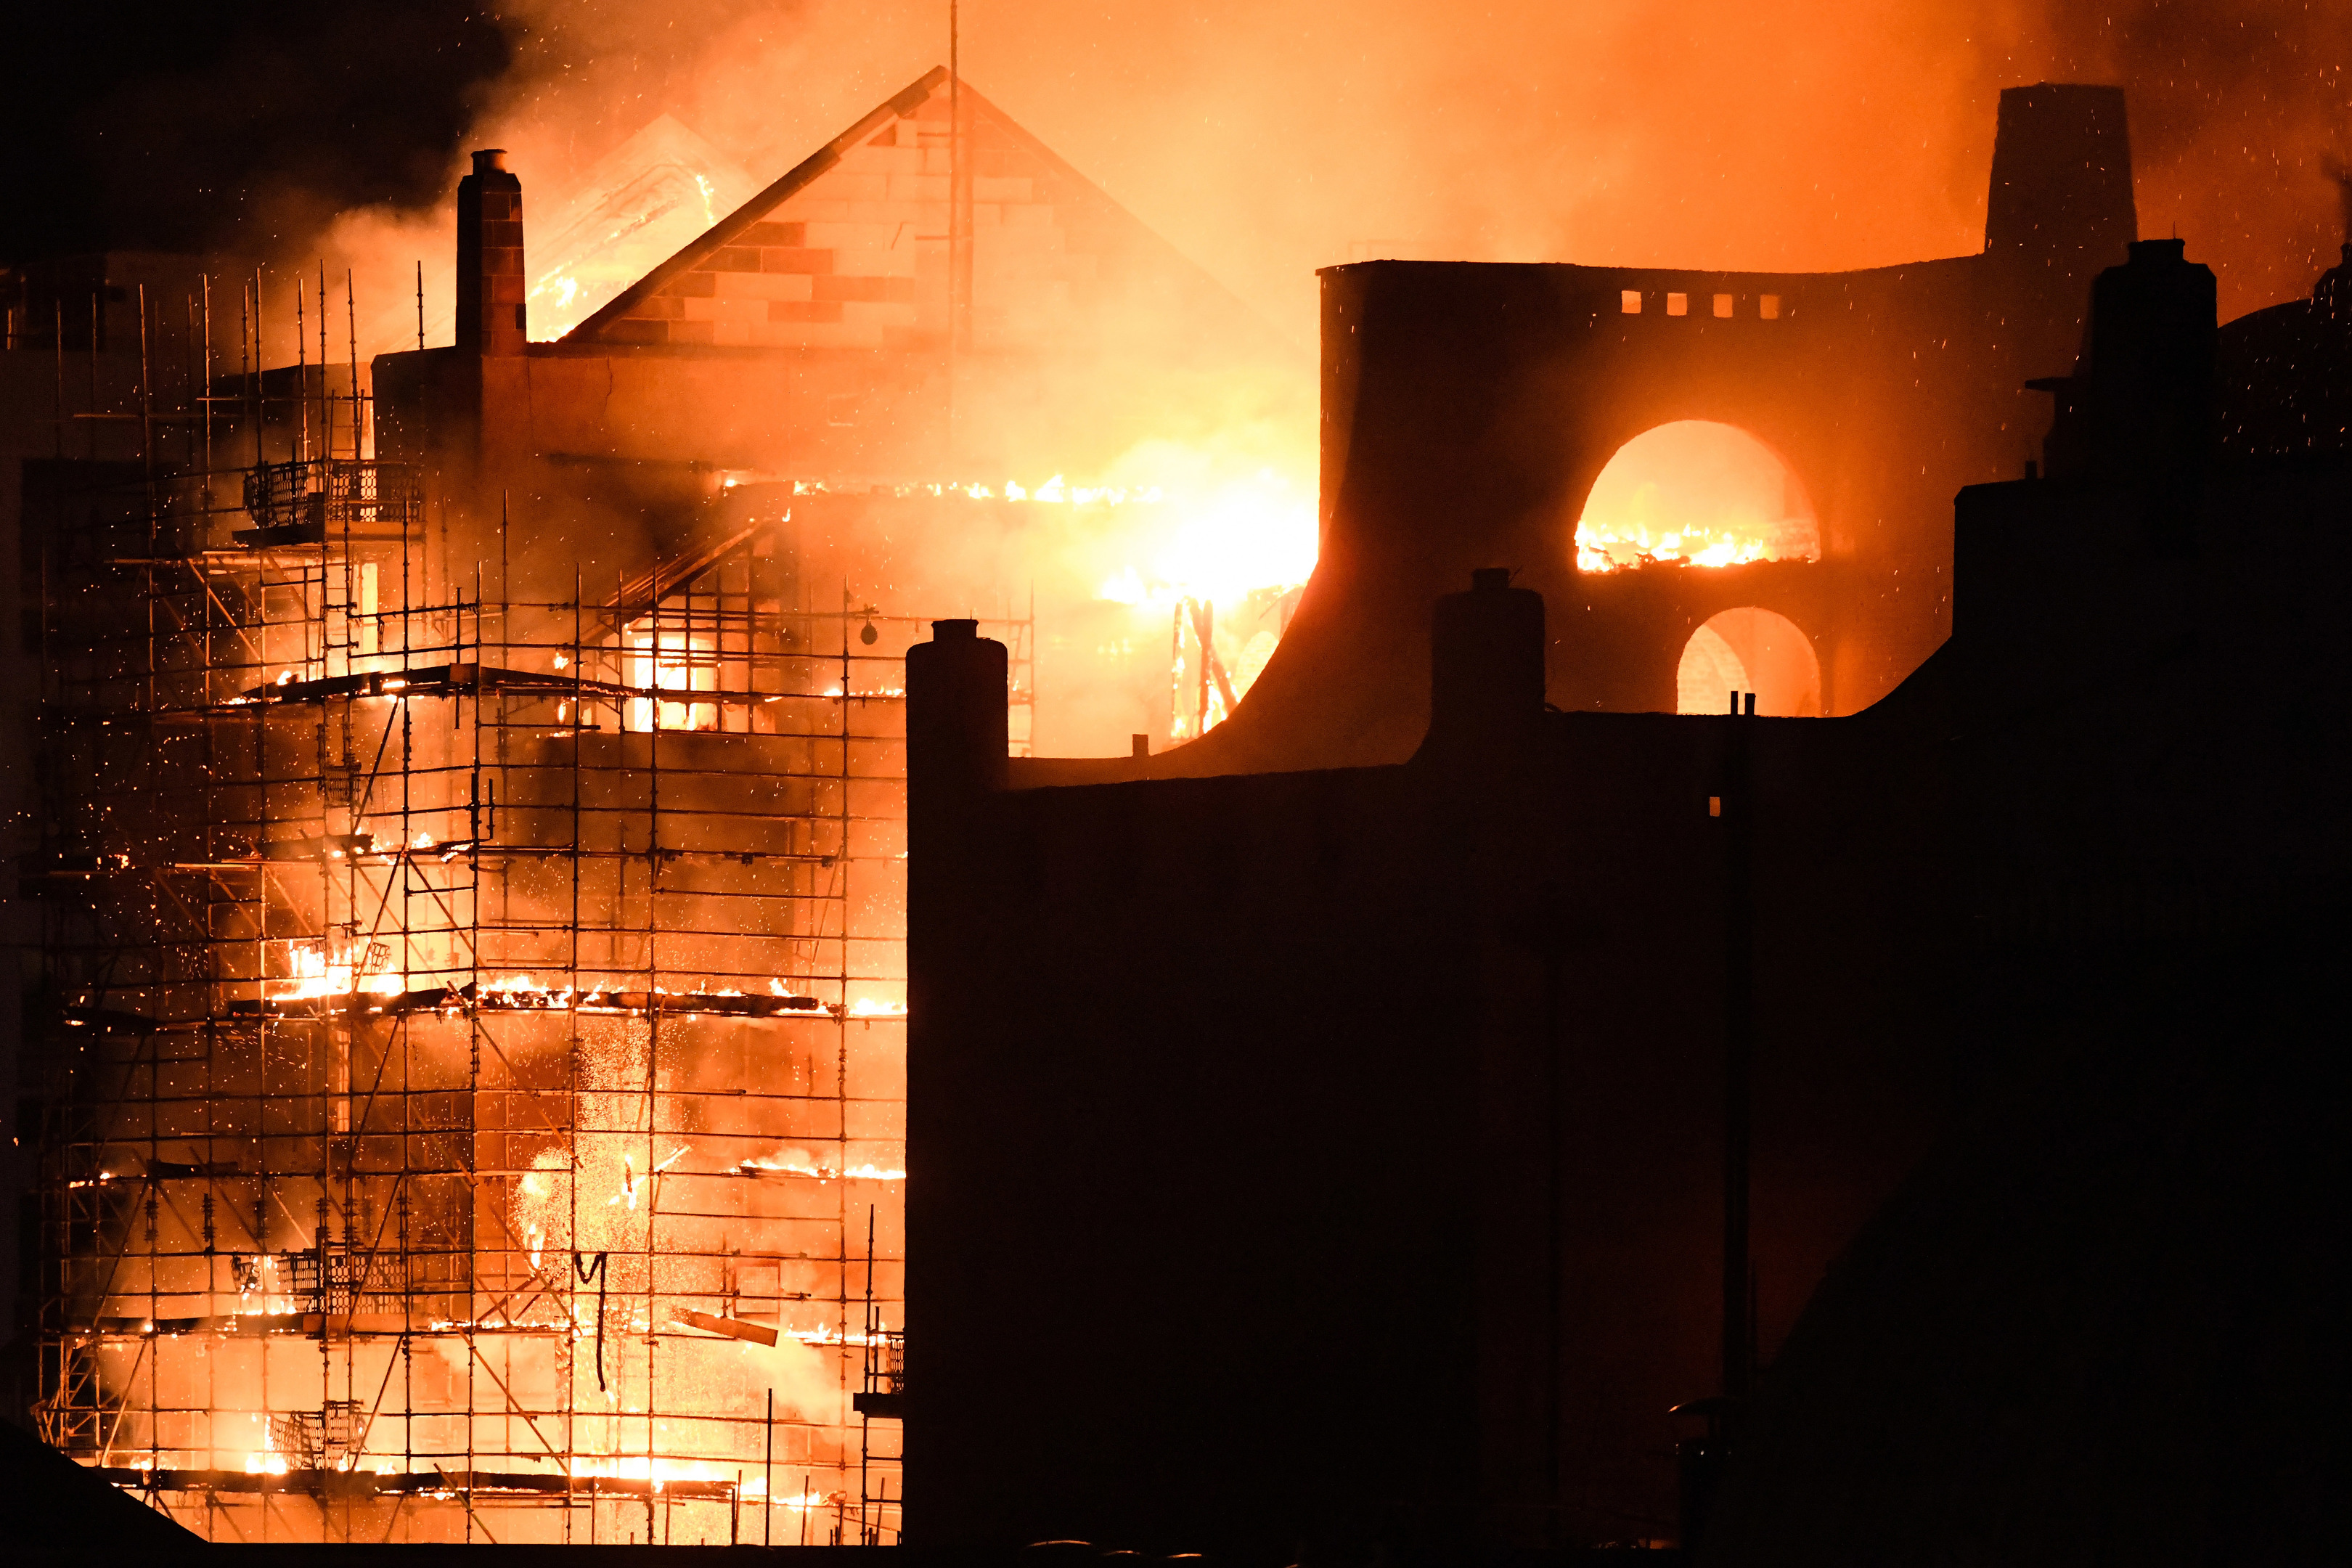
(474, 1027)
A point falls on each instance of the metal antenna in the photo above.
(955, 241)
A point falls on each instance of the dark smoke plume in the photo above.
(243, 128)
(2242, 118)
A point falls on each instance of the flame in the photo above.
(320, 973)
(1604, 548)
(521, 991)
(1223, 541)
(631, 1181)
(1228, 536)
(671, 661)
(258, 1278)
(800, 1163)
(1697, 493)
(825, 1336)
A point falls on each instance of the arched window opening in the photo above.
(1748, 649)
(1696, 493)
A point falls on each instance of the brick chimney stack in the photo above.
(2062, 178)
(491, 281)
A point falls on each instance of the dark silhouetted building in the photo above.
(1467, 410)
(1338, 1156)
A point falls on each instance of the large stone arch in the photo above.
(1650, 612)
(1465, 403)
(1705, 472)
(1468, 408)
(1753, 654)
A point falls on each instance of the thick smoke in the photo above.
(1269, 139)
(1265, 139)
(1272, 138)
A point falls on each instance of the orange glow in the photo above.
(1697, 493)
(1235, 537)
(1222, 541)
(318, 973)
(800, 1163)
(1750, 650)
(639, 205)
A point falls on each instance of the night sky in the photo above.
(1263, 140)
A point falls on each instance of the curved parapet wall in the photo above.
(1467, 409)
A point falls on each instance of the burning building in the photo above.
(931, 297)
(904, 345)
(474, 871)
(470, 1059)
(1421, 1134)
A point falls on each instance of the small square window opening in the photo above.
(1723, 306)
(1677, 304)
(1630, 301)
(1768, 307)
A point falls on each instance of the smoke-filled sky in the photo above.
(1264, 137)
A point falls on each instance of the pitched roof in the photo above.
(731, 227)
(859, 259)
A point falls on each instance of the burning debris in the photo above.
(1698, 494)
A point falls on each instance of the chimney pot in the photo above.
(490, 158)
(1486, 665)
(954, 631)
